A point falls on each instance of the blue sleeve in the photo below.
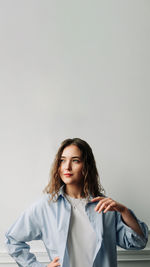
(25, 229)
(128, 238)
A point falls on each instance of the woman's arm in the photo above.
(25, 229)
(108, 204)
(131, 221)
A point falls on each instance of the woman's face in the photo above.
(71, 165)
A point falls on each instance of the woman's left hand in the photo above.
(108, 204)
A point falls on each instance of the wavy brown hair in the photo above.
(91, 179)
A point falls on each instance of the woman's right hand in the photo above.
(54, 262)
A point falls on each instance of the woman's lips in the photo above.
(67, 174)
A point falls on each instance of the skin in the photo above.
(54, 263)
(71, 162)
(108, 204)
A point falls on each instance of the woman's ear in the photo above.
(83, 173)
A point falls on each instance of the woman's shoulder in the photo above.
(41, 202)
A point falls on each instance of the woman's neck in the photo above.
(73, 191)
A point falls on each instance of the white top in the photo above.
(81, 241)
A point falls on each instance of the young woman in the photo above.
(77, 223)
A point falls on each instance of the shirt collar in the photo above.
(61, 192)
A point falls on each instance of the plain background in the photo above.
(74, 69)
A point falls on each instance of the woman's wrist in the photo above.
(130, 221)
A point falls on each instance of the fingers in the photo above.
(105, 204)
(55, 259)
(55, 262)
(96, 199)
(110, 207)
(102, 204)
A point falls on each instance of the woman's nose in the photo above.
(68, 165)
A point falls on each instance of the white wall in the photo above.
(74, 69)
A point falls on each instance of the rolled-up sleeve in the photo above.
(128, 238)
(25, 229)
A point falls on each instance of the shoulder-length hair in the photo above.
(91, 179)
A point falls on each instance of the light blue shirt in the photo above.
(49, 222)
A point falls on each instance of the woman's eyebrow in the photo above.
(72, 157)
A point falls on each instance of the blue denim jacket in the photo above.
(49, 222)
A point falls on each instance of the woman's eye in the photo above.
(76, 160)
